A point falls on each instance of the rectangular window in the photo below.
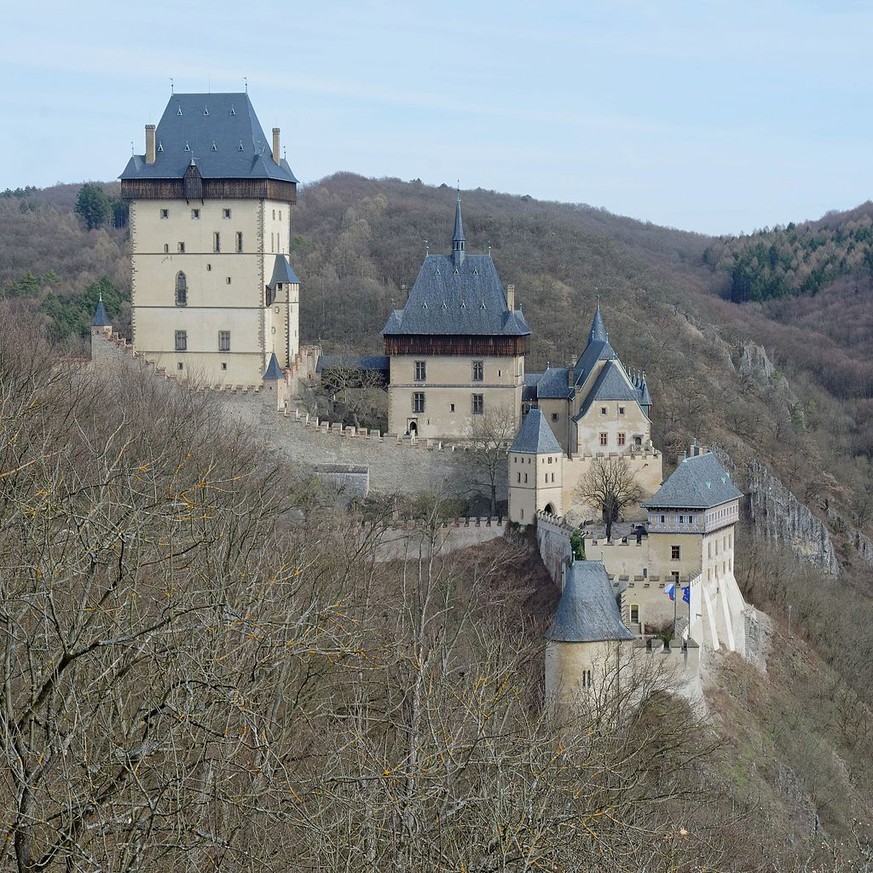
(478, 371)
(195, 213)
(674, 553)
(621, 439)
(165, 213)
(478, 404)
(225, 213)
(182, 247)
(239, 243)
(216, 242)
(420, 371)
(604, 439)
(418, 401)
(224, 340)
(181, 340)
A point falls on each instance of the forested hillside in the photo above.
(786, 381)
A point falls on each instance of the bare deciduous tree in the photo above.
(609, 486)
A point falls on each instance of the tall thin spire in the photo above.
(598, 328)
(458, 242)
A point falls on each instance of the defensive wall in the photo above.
(396, 465)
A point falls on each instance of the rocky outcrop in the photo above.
(780, 517)
(755, 363)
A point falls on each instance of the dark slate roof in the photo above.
(596, 350)
(553, 383)
(273, 370)
(598, 328)
(529, 389)
(588, 611)
(611, 384)
(535, 437)
(356, 362)
(467, 300)
(699, 482)
(283, 272)
(219, 132)
(100, 319)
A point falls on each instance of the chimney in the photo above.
(150, 144)
(510, 297)
(276, 157)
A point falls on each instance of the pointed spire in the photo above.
(273, 370)
(458, 242)
(100, 319)
(598, 328)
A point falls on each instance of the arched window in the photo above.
(181, 289)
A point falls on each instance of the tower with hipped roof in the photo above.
(457, 347)
(214, 293)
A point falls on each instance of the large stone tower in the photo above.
(214, 295)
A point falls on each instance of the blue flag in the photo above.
(686, 595)
(671, 591)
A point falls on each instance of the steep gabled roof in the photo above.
(699, 482)
(283, 272)
(457, 297)
(535, 437)
(611, 384)
(588, 611)
(219, 132)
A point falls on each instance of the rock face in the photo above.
(782, 518)
(755, 363)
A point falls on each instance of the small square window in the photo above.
(225, 213)
(195, 213)
(165, 213)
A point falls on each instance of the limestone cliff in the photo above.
(780, 517)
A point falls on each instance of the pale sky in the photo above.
(715, 117)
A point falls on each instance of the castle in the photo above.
(215, 298)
